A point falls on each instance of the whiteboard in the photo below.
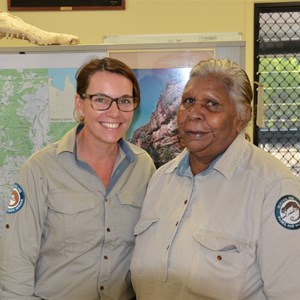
(76, 55)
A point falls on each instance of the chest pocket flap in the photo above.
(71, 203)
(218, 241)
(144, 224)
(133, 198)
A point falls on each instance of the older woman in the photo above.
(214, 223)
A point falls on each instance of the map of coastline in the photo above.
(36, 109)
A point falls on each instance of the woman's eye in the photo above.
(124, 101)
(212, 104)
(99, 99)
(188, 102)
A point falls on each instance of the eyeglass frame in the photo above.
(90, 96)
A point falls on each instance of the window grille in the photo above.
(277, 68)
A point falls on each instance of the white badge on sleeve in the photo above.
(17, 199)
(287, 212)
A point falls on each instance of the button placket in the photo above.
(163, 273)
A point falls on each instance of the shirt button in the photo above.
(185, 202)
(101, 287)
(105, 257)
(176, 224)
(108, 229)
(7, 226)
(219, 257)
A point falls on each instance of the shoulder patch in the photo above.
(287, 212)
(17, 199)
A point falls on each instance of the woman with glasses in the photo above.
(70, 219)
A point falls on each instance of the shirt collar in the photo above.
(68, 144)
(225, 163)
(233, 156)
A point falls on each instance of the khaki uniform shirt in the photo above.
(231, 232)
(69, 238)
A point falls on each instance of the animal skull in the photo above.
(14, 27)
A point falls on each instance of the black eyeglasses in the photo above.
(104, 102)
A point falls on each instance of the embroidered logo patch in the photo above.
(287, 212)
(17, 199)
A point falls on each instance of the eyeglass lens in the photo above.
(103, 102)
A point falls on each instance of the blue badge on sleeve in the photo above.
(287, 212)
(17, 199)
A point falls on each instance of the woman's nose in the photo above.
(114, 108)
(197, 111)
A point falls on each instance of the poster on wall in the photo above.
(162, 75)
(37, 107)
(31, 5)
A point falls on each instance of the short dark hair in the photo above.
(108, 64)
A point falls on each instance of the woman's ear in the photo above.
(244, 118)
(79, 105)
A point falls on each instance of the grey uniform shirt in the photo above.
(69, 238)
(231, 232)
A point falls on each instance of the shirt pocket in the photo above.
(132, 198)
(219, 266)
(124, 209)
(144, 231)
(73, 222)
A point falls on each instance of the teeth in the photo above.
(111, 125)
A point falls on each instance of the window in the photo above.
(277, 68)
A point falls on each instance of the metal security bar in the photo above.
(277, 69)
